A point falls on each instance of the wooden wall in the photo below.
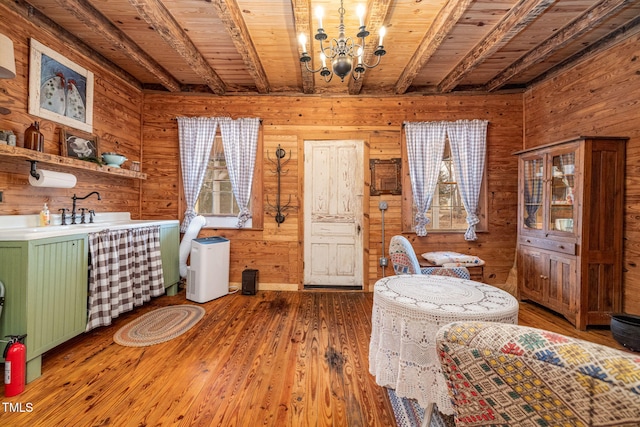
(598, 97)
(141, 126)
(117, 117)
(288, 121)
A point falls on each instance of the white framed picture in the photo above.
(59, 89)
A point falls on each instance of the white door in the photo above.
(333, 190)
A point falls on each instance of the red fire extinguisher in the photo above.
(15, 365)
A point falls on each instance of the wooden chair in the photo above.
(405, 261)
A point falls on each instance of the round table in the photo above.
(407, 312)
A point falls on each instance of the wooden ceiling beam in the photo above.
(621, 33)
(378, 12)
(593, 17)
(231, 15)
(94, 20)
(447, 18)
(156, 15)
(39, 19)
(519, 17)
(302, 20)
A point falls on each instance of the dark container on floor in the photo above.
(625, 328)
(249, 282)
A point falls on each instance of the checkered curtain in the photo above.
(533, 183)
(468, 140)
(126, 271)
(425, 146)
(196, 139)
(240, 141)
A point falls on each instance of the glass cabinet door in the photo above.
(533, 193)
(562, 192)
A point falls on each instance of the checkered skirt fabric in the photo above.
(126, 271)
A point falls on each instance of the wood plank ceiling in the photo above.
(250, 46)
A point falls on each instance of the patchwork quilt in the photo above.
(509, 375)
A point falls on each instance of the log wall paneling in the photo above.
(594, 99)
(289, 121)
(588, 99)
(116, 123)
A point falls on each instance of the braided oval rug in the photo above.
(159, 325)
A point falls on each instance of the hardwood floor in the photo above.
(273, 359)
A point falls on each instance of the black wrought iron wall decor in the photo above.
(279, 209)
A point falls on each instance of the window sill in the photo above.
(232, 228)
(225, 222)
(446, 232)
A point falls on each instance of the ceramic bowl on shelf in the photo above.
(113, 159)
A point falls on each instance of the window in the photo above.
(447, 212)
(216, 201)
(216, 195)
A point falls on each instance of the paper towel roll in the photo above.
(53, 179)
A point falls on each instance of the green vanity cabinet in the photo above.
(46, 293)
(170, 252)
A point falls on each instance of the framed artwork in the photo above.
(385, 177)
(59, 89)
(78, 145)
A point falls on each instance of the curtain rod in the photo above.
(175, 119)
(448, 121)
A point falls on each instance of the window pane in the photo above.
(447, 211)
(216, 196)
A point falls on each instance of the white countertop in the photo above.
(25, 227)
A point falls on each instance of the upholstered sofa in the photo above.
(510, 375)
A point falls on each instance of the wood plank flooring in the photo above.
(273, 359)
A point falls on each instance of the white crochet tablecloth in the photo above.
(407, 312)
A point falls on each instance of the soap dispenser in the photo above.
(45, 217)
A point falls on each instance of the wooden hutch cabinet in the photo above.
(570, 227)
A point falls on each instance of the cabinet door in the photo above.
(561, 292)
(56, 293)
(532, 270)
(562, 190)
(170, 252)
(532, 197)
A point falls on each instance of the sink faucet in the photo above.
(73, 208)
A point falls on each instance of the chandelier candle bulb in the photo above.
(382, 32)
(360, 11)
(303, 42)
(319, 15)
(346, 56)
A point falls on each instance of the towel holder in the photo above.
(34, 173)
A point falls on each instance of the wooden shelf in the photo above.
(52, 159)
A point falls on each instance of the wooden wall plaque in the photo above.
(385, 176)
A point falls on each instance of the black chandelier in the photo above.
(343, 52)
